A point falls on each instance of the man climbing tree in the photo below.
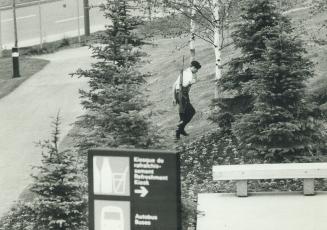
(181, 90)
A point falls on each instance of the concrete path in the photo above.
(26, 115)
(268, 211)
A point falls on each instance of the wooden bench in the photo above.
(242, 173)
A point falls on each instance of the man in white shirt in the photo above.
(186, 110)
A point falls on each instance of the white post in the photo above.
(40, 24)
(242, 188)
(78, 26)
(308, 186)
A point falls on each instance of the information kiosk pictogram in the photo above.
(131, 189)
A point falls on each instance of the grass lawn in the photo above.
(165, 59)
(165, 64)
(28, 67)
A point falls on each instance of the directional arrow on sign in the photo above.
(142, 191)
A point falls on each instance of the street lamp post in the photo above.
(40, 24)
(86, 18)
(15, 53)
(78, 24)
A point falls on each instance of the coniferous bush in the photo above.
(115, 100)
(20, 217)
(250, 36)
(273, 120)
(283, 125)
(60, 187)
(58, 200)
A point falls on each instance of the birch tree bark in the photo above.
(192, 31)
(210, 17)
(149, 9)
(217, 44)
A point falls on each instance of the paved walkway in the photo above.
(26, 115)
(268, 211)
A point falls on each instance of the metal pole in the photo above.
(15, 22)
(40, 24)
(15, 53)
(86, 18)
(78, 26)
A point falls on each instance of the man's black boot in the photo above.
(183, 132)
(177, 135)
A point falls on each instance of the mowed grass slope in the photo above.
(165, 63)
(166, 60)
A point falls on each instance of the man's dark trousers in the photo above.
(186, 113)
(186, 116)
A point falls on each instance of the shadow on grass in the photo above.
(28, 67)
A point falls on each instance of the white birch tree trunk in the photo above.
(192, 32)
(217, 46)
(149, 9)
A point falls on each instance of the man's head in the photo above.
(195, 66)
